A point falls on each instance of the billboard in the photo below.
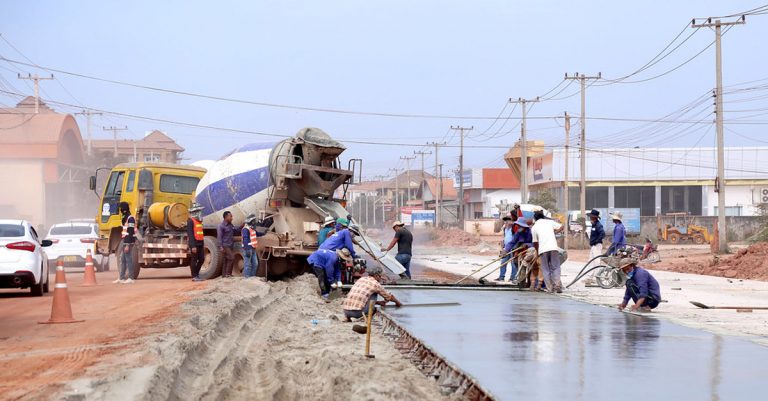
(540, 169)
(467, 178)
(417, 217)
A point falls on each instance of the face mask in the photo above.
(630, 274)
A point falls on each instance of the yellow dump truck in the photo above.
(159, 195)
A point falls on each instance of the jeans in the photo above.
(229, 261)
(126, 262)
(405, 260)
(650, 300)
(357, 314)
(503, 271)
(550, 267)
(250, 263)
(196, 260)
(322, 280)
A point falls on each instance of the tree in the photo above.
(544, 199)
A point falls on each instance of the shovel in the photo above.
(702, 306)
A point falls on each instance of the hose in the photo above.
(583, 273)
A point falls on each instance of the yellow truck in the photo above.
(159, 195)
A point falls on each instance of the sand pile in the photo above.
(452, 237)
(748, 263)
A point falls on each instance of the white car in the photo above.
(23, 264)
(71, 241)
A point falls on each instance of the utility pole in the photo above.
(565, 179)
(439, 208)
(582, 145)
(88, 114)
(114, 135)
(397, 193)
(36, 79)
(422, 154)
(523, 149)
(383, 212)
(408, 175)
(461, 172)
(720, 181)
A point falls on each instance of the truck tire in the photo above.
(698, 239)
(674, 238)
(135, 251)
(213, 259)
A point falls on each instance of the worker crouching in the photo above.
(325, 265)
(366, 290)
(642, 287)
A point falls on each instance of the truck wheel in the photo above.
(213, 259)
(698, 239)
(135, 253)
(674, 239)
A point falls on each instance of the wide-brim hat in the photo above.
(594, 212)
(616, 216)
(624, 262)
(506, 218)
(328, 220)
(521, 222)
(344, 254)
(397, 223)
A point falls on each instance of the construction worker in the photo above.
(515, 214)
(195, 241)
(365, 290)
(325, 231)
(596, 236)
(225, 232)
(404, 240)
(324, 263)
(642, 287)
(129, 239)
(509, 233)
(545, 242)
(521, 240)
(250, 241)
(619, 234)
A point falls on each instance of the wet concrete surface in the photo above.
(528, 346)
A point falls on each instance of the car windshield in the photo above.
(70, 230)
(11, 230)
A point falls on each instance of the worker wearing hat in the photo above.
(325, 263)
(642, 287)
(195, 241)
(619, 234)
(326, 230)
(596, 236)
(250, 242)
(342, 238)
(514, 215)
(404, 240)
(544, 240)
(366, 290)
(520, 240)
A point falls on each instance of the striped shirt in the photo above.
(362, 291)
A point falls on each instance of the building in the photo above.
(484, 188)
(655, 180)
(156, 146)
(42, 169)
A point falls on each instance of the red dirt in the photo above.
(37, 360)
(747, 263)
(452, 237)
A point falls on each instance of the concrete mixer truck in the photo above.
(291, 186)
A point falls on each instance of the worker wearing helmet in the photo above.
(341, 239)
(326, 230)
(195, 241)
(250, 242)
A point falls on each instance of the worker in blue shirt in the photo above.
(521, 237)
(596, 236)
(619, 234)
(324, 263)
(341, 238)
(327, 228)
(642, 287)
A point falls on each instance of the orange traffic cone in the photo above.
(90, 273)
(61, 311)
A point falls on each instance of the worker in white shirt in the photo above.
(545, 242)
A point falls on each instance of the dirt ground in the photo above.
(745, 263)
(167, 338)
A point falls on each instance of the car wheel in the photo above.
(47, 281)
(38, 289)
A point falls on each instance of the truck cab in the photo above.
(142, 186)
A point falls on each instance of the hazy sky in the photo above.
(456, 58)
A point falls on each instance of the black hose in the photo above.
(582, 273)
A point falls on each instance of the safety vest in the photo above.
(130, 222)
(198, 230)
(254, 239)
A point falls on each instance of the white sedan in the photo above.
(23, 264)
(71, 241)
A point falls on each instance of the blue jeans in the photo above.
(126, 262)
(503, 270)
(405, 260)
(250, 263)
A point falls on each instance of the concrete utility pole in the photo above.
(408, 176)
(720, 181)
(383, 212)
(422, 154)
(397, 193)
(114, 135)
(437, 150)
(88, 114)
(565, 178)
(36, 79)
(523, 149)
(582, 145)
(439, 207)
(461, 172)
